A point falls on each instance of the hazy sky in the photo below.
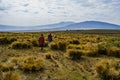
(39, 12)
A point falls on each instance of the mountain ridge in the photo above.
(49, 26)
(93, 25)
(86, 25)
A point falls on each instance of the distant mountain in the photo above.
(6, 27)
(35, 28)
(91, 25)
(12, 28)
(55, 25)
(87, 25)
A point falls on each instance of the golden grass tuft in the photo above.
(113, 51)
(30, 63)
(11, 76)
(108, 70)
(53, 46)
(91, 49)
(74, 54)
(21, 45)
(75, 41)
(6, 40)
(7, 66)
(34, 42)
(58, 46)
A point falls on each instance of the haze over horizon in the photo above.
(42, 12)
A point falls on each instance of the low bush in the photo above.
(34, 42)
(91, 49)
(61, 46)
(53, 46)
(11, 76)
(58, 46)
(5, 40)
(30, 63)
(92, 53)
(113, 51)
(72, 46)
(49, 56)
(117, 44)
(74, 54)
(14, 60)
(102, 49)
(108, 70)
(7, 66)
(46, 44)
(21, 45)
(1, 75)
(74, 41)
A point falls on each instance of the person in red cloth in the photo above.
(41, 41)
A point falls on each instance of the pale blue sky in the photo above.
(40, 12)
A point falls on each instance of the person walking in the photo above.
(41, 41)
(49, 38)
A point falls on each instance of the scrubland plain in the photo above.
(72, 55)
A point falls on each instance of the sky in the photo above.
(41, 12)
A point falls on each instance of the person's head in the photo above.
(50, 34)
(41, 34)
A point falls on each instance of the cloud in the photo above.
(25, 5)
(26, 11)
(2, 8)
(38, 12)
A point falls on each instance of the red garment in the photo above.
(41, 41)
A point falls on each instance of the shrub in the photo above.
(61, 46)
(21, 45)
(58, 46)
(117, 44)
(75, 41)
(107, 70)
(30, 63)
(102, 49)
(1, 75)
(113, 51)
(72, 46)
(53, 46)
(74, 54)
(11, 76)
(34, 42)
(46, 44)
(0, 66)
(98, 39)
(92, 53)
(5, 40)
(102, 69)
(13, 60)
(91, 49)
(49, 56)
(7, 66)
